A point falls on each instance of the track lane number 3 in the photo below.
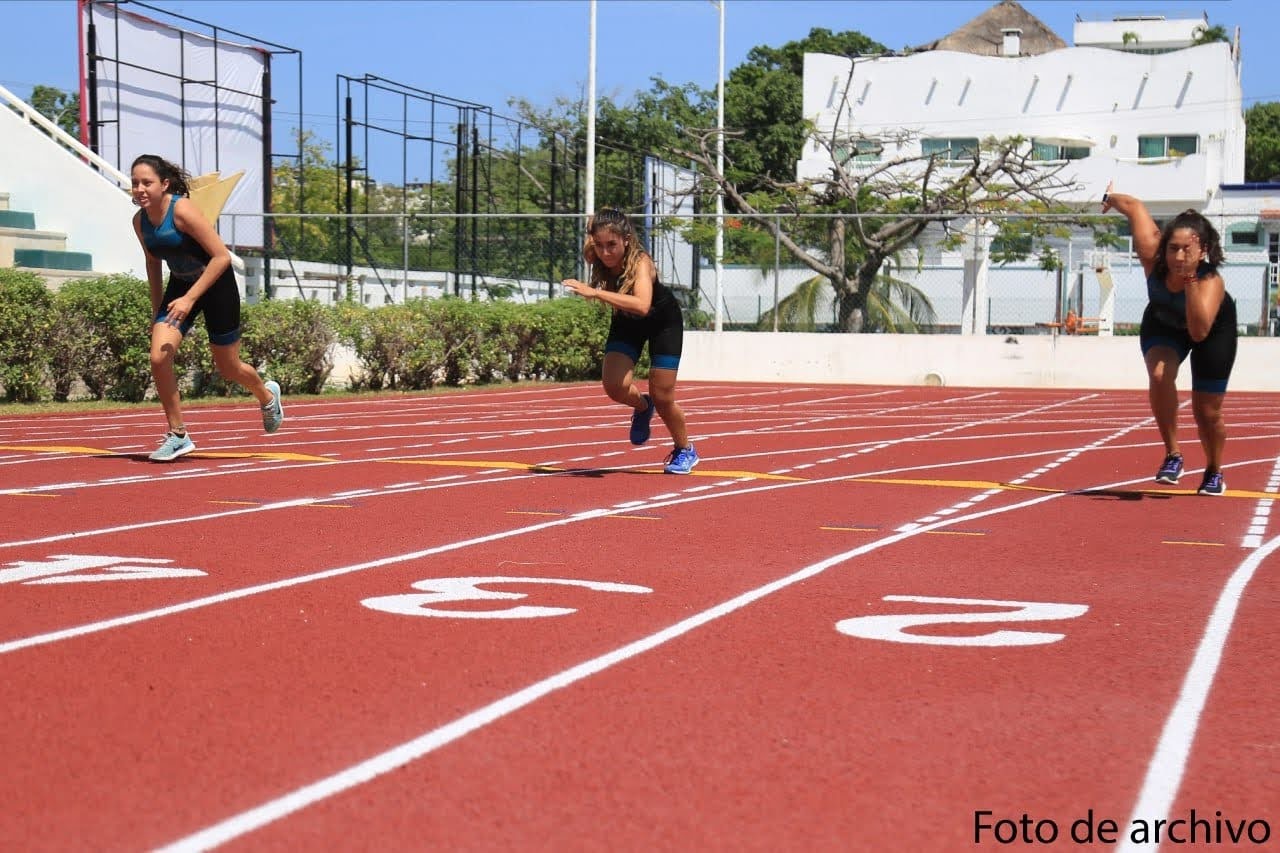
(441, 591)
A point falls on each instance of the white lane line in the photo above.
(1262, 512)
(1169, 763)
(89, 628)
(378, 765)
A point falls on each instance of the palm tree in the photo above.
(892, 305)
(1209, 34)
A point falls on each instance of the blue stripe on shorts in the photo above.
(666, 362)
(624, 348)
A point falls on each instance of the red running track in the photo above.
(873, 619)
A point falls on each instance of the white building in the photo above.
(1135, 102)
(1165, 126)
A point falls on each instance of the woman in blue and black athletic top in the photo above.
(172, 229)
(1188, 312)
(644, 310)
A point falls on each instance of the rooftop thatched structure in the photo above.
(984, 35)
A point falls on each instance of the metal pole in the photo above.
(777, 268)
(591, 110)
(720, 171)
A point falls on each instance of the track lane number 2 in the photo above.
(896, 627)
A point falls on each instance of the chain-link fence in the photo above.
(945, 281)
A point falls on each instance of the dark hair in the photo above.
(613, 219)
(166, 171)
(1195, 222)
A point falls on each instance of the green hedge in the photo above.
(95, 331)
(451, 341)
(101, 338)
(26, 327)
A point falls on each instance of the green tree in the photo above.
(1208, 34)
(59, 107)
(1262, 142)
(308, 186)
(888, 208)
(893, 305)
(763, 99)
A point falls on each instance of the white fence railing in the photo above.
(381, 258)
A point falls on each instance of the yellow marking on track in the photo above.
(952, 533)
(1201, 544)
(259, 503)
(755, 475)
(550, 469)
(1011, 487)
(203, 454)
(852, 529)
(530, 512)
(1229, 493)
(471, 463)
(639, 517)
(956, 484)
(55, 448)
(31, 494)
(282, 455)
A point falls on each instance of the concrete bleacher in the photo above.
(64, 212)
(44, 253)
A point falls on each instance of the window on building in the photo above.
(1167, 146)
(1046, 151)
(960, 148)
(1244, 237)
(858, 151)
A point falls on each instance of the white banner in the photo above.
(185, 97)
(669, 191)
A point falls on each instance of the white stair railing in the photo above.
(69, 143)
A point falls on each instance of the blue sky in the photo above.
(489, 51)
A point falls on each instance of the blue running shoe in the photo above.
(1212, 484)
(172, 447)
(273, 412)
(681, 460)
(640, 422)
(1171, 470)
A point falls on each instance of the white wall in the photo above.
(1108, 96)
(66, 195)
(1029, 361)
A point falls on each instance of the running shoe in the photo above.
(681, 460)
(1171, 470)
(1212, 484)
(172, 447)
(273, 412)
(640, 422)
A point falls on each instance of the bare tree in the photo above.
(879, 209)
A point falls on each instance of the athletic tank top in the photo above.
(186, 258)
(662, 297)
(1171, 308)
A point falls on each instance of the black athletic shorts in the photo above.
(220, 305)
(1211, 358)
(662, 328)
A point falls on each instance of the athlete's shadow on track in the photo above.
(586, 472)
(1124, 495)
(136, 457)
